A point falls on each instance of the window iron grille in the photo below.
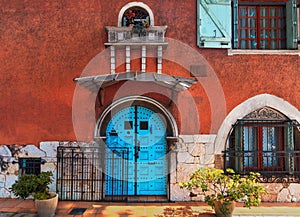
(262, 122)
(270, 147)
(279, 166)
(30, 165)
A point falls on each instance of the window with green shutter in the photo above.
(247, 25)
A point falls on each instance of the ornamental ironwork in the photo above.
(265, 113)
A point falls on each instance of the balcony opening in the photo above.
(136, 16)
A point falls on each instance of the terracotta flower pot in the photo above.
(46, 208)
(229, 206)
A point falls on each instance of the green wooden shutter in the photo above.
(235, 12)
(239, 161)
(289, 147)
(291, 24)
(214, 23)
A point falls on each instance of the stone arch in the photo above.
(172, 129)
(250, 105)
(135, 4)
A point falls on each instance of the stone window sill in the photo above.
(232, 52)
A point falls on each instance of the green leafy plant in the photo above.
(216, 185)
(35, 185)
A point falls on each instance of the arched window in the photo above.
(267, 142)
(136, 16)
(135, 13)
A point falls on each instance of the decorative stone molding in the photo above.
(135, 4)
(265, 113)
(127, 35)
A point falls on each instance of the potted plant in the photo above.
(38, 187)
(222, 190)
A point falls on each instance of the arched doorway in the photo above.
(136, 133)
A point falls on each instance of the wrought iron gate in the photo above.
(79, 173)
(116, 187)
(82, 174)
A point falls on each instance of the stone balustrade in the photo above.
(136, 34)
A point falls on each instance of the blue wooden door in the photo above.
(136, 153)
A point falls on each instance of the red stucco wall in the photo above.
(45, 44)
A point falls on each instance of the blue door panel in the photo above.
(140, 132)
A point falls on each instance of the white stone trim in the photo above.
(112, 60)
(135, 4)
(198, 138)
(127, 58)
(231, 52)
(249, 106)
(159, 59)
(144, 59)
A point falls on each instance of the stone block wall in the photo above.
(282, 192)
(189, 154)
(9, 167)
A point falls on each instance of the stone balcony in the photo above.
(136, 35)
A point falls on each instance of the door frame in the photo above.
(116, 106)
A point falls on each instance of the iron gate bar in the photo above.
(79, 173)
(136, 148)
(117, 187)
(72, 172)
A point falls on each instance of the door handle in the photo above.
(138, 145)
(137, 149)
